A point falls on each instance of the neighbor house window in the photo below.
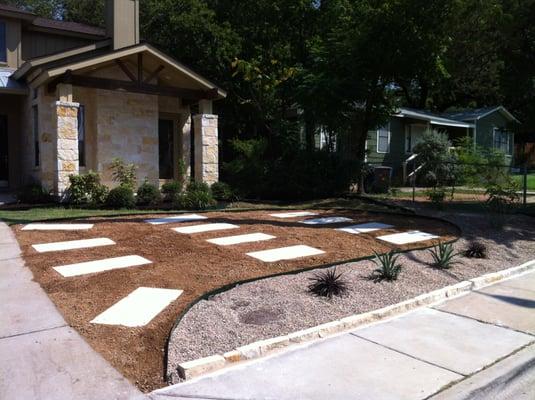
(501, 140)
(383, 139)
(81, 136)
(35, 135)
(165, 148)
(3, 48)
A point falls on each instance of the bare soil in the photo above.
(189, 263)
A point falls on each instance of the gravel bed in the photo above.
(280, 305)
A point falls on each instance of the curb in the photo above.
(264, 347)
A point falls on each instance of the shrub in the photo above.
(443, 255)
(123, 173)
(222, 192)
(501, 198)
(33, 194)
(197, 196)
(435, 157)
(388, 267)
(436, 195)
(86, 189)
(171, 190)
(476, 250)
(328, 284)
(121, 197)
(148, 194)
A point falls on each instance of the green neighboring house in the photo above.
(393, 144)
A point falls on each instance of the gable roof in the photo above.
(60, 65)
(478, 113)
(433, 119)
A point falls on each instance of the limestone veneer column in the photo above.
(206, 148)
(66, 145)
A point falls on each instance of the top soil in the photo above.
(189, 263)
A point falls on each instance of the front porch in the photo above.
(135, 104)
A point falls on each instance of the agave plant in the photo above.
(328, 284)
(476, 250)
(443, 255)
(388, 267)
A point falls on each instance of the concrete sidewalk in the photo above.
(41, 357)
(479, 346)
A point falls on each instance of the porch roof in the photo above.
(433, 119)
(178, 78)
(9, 85)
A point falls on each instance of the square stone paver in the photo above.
(457, 343)
(285, 253)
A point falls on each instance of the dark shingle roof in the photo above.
(469, 114)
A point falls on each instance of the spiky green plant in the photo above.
(443, 255)
(328, 284)
(388, 267)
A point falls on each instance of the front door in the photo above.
(166, 147)
(4, 161)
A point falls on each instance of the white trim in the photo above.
(457, 125)
(501, 109)
(509, 135)
(377, 140)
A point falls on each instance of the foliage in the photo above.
(443, 255)
(86, 189)
(121, 197)
(388, 266)
(501, 200)
(123, 173)
(476, 250)
(171, 189)
(197, 196)
(436, 195)
(435, 157)
(328, 283)
(148, 194)
(33, 194)
(222, 192)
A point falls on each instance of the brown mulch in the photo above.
(189, 263)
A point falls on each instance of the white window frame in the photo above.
(387, 128)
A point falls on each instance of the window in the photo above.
(35, 134)
(81, 136)
(501, 140)
(3, 48)
(383, 139)
(165, 148)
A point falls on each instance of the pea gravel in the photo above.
(281, 305)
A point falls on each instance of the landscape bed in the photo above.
(189, 263)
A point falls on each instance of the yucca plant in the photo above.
(388, 267)
(328, 284)
(476, 250)
(443, 255)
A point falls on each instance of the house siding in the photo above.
(485, 128)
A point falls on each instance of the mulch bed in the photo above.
(190, 263)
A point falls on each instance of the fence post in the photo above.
(413, 183)
(525, 189)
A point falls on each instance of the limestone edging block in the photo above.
(264, 347)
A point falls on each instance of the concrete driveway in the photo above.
(473, 347)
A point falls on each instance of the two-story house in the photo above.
(73, 97)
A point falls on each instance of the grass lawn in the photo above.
(520, 180)
(26, 215)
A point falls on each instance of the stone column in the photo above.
(206, 148)
(184, 146)
(66, 145)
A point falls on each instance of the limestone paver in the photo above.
(407, 237)
(285, 253)
(457, 343)
(176, 218)
(72, 245)
(247, 238)
(326, 220)
(56, 227)
(293, 214)
(365, 228)
(138, 308)
(217, 226)
(106, 264)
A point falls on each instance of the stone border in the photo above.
(195, 368)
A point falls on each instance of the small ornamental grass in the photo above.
(328, 284)
(476, 250)
(443, 255)
(388, 267)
